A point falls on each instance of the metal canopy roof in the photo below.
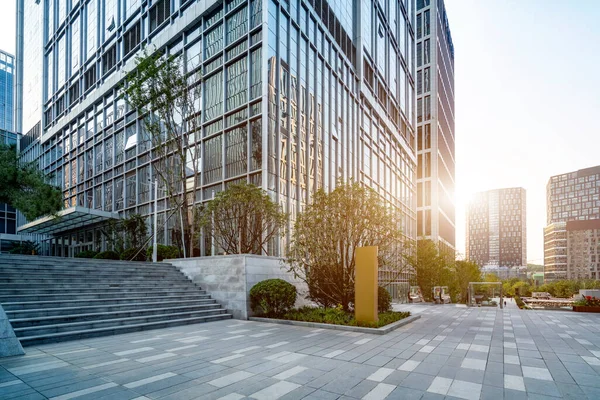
(66, 220)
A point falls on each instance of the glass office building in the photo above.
(296, 95)
(435, 125)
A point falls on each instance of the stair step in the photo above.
(49, 260)
(11, 293)
(9, 306)
(50, 299)
(103, 323)
(94, 296)
(70, 318)
(104, 308)
(89, 333)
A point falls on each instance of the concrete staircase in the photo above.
(51, 299)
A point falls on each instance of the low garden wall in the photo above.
(228, 279)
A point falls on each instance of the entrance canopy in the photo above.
(66, 220)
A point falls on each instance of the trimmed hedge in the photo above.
(128, 255)
(384, 300)
(337, 316)
(87, 254)
(107, 255)
(272, 297)
(163, 252)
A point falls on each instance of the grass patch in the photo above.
(337, 316)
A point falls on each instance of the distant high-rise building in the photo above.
(497, 228)
(571, 198)
(435, 125)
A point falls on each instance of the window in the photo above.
(426, 52)
(159, 13)
(50, 72)
(426, 80)
(109, 59)
(75, 53)
(236, 156)
(92, 19)
(131, 38)
(90, 77)
(426, 24)
(213, 160)
(237, 82)
(131, 6)
(110, 17)
(213, 41)
(74, 93)
(214, 96)
(237, 25)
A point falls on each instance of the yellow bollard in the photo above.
(366, 283)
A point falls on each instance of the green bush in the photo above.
(133, 254)
(272, 297)
(338, 316)
(163, 252)
(86, 254)
(107, 255)
(27, 247)
(384, 300)
(520, 303)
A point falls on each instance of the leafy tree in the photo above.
(129, 233)
(429, 267)
(465, 272)
(327, 233)
(169, 101)
(25, 187)
(243, 219)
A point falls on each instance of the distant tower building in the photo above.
(571, 246)
(435, 125)
(496, 228)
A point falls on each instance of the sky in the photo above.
(527, 87)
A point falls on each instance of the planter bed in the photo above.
(592, 309)
(377, 331)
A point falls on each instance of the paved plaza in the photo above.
(451, 352)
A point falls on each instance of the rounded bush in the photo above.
(384, 300)
(163, 252)
(133, 255)
(107, 255)
(272, 297)
(87, 254)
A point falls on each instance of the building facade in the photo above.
(570, 199)
(296, 95)
(435, 125)
(497, 228)
(8, 215)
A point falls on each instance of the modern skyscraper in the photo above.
(570, 197)
(296, 95)
(435, 125)
(497, 229)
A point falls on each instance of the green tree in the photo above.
(169, 101)
(327, 233)
(465, 272)
(25, 187)
(429, 267)
(243, 219)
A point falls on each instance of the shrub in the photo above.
(87, 254)
(27, 247)
(107, 255)
(384, 300)
(133, 254)
(272, 297)
(163, 252)
(338, 316)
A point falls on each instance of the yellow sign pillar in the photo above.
(366, 284)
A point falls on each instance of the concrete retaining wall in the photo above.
(228, 279)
